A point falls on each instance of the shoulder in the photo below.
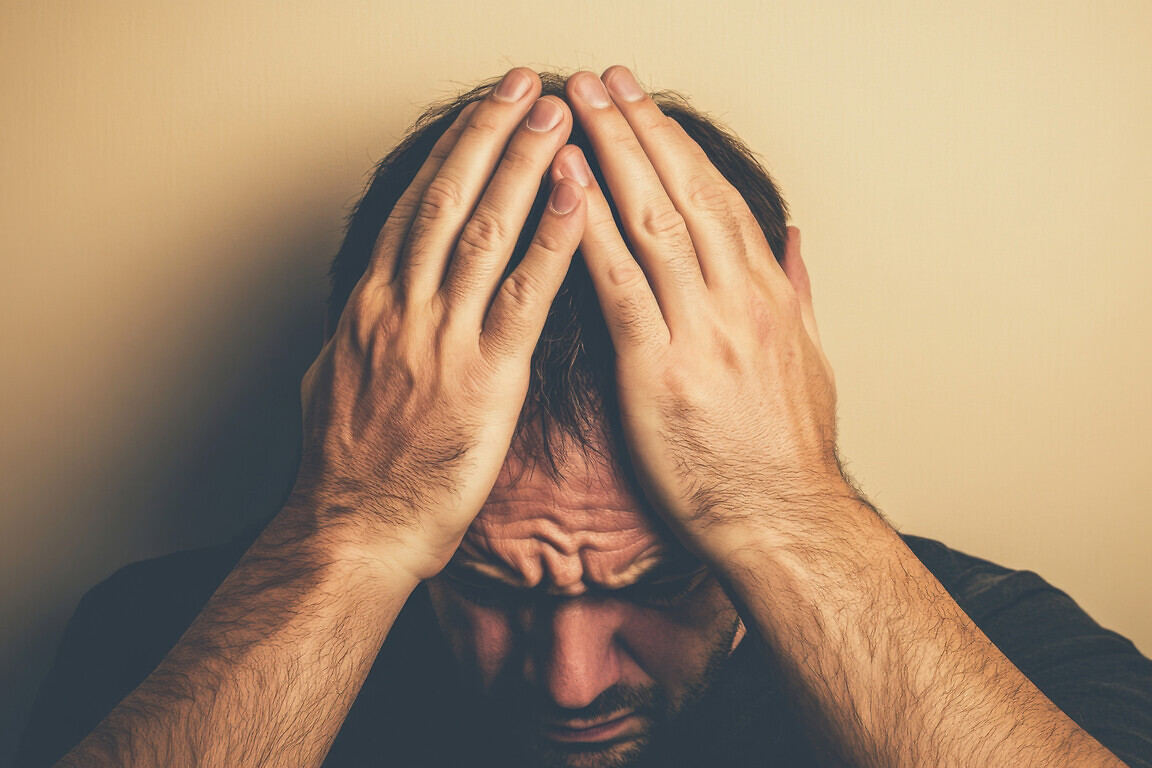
(141, 610)
(157, 593)
(1014, 607)
(125, 625)
(1095, 675)
(121, 629)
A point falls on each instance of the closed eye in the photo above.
(485, 592)
(661, 594)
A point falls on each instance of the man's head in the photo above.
(571, 608)
(577, 618)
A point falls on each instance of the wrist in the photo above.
(775, 525)
(805, 575)
(329, 531)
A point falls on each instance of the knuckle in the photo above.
(707, 194)
(627, 275)
(662, 127)
(404, 209)
(360, 333)
(361, 313)
(485, 122)
(483, 233)
(519, 289)
(518, 156)
(551, 242)
(396, 228)
(661, 221)
(362, 303)
(443, 148)
(442, 194)
(622, 142)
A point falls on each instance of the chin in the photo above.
(625, 754)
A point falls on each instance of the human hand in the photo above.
(410, 408)
(726, 398)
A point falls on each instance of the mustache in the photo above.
(525, 702)
(615, 700)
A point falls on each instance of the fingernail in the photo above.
(512, 87)
(575, 167)
(544, 116)
(623, 84)
(591, 90)
(564, 199)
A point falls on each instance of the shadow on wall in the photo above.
(203, 476)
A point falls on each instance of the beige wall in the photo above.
(974, 189)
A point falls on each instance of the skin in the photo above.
(558, 595)
(728, 407)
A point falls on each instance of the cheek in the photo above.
(674, 646)
(480, 638)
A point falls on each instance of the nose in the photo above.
(577, 658)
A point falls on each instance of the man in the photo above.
(618, 521)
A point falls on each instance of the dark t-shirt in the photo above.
(411, 711)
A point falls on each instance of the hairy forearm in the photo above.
(267, 672)
(886, 668)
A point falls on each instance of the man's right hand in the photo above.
(410, 408)
(409, 412)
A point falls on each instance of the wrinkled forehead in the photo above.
(586, 529)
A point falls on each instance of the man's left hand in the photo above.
(726, 397)
(728, 407)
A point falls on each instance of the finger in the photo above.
(652, 224)
(630, 309)
(452, 194)
(518, 311)
(490, 236)
(386, 252)
(797, 274)
(722, 228)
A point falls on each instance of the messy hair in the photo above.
(572, 393)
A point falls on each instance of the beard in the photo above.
(515, 715)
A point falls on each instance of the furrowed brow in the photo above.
(672, 568)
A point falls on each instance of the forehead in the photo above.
(585, 529)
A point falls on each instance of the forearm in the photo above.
(885, 667)
(267, 672)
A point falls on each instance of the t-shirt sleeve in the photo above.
(119, 633)
(1097, 677)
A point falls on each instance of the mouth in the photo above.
(600, 730)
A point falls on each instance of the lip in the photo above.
(601, 731)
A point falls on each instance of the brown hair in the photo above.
(571, 394)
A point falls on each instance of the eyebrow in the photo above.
(678, 566)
